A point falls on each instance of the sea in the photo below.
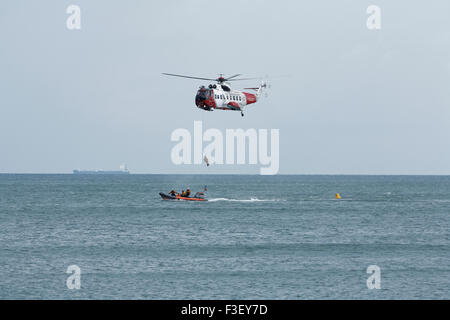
(258, 237)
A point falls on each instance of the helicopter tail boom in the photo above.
(259, 89)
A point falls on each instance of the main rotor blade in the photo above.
(182, 76)
(240, 79)
(265, 77)
(236, 75)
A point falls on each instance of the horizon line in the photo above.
(233, 174)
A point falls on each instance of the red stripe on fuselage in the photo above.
(249, 97)
(211, 102)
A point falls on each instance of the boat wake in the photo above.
(244, 200)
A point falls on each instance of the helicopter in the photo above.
(220, 95)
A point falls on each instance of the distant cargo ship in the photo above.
(123, 170)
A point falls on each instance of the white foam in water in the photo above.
(244, 200)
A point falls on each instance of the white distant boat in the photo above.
(123, 170)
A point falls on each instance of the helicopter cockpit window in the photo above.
(201, 94)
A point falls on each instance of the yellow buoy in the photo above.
(338, 196)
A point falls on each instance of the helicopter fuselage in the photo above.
(222, 97)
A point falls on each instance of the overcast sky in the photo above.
(357, 101)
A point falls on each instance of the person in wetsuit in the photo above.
(173, 193)
(188, 192)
